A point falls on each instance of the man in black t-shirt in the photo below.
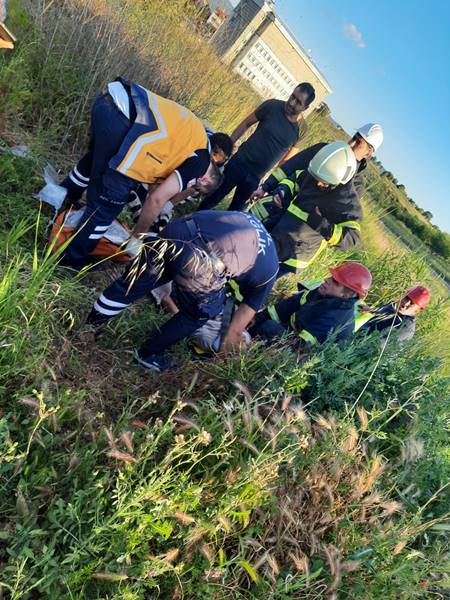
(280, 127)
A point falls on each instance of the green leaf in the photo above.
(250, 570)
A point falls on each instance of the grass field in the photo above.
(269, 474)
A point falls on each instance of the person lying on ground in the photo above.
(313, 314)
(280, 129)
(136, 137)
(199, 253)
(398, 317)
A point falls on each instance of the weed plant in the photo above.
(269, 474)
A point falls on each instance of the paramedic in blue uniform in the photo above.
(199, 253)
(136, 137)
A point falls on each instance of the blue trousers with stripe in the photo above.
(107, 190)
(199, 291)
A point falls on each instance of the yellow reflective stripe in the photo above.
(298, 212)
(295, 263)
(273, 313)
(304, 296)
(351, 225)
(292, 321)
(289, 183)
(278, 173)
(236, 291)
(259, 210)
(336, 236)
(308, 337)
(361, 319)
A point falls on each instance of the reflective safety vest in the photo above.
(361, 317)
(163, 135)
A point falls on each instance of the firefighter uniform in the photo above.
(299, 232)
(311, 316)
(384, 318)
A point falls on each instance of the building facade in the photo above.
(261, 49)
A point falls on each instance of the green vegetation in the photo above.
(264, 475)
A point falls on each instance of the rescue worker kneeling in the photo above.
(199, 254)
(314, 314)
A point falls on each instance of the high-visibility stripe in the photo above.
(96, 236)
(288, 183)
(77, 181)
(236, 291)
(259, 210)
(298, 212)
(106, 311)
(112, 303)
(308, 337)
(101, 228)
(79, 175)
(135, 148)
(279, 174)
(351, 225)
(295, 263)
(273, 313)
(336, 236)
(304, 297)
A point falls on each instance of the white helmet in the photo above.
(334, 164)
(373, 134)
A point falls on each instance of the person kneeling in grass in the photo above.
(315, 314)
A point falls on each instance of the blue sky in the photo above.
(388, 62)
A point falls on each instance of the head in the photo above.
(221, 147)
(210, 181)
(348, 280)
(366, 141)
(334, 164)
(414, 301)
(300, 99)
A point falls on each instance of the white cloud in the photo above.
(352, 33)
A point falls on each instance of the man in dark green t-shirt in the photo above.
(280, 127)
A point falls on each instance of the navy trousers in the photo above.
(236, 175)
(107, 190)
(199, 288)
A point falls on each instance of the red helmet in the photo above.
(419, 295)
(354, 276)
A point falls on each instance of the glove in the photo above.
(134, 246)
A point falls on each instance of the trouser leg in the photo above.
(177, 328)
(126, 291)
(233, 174)
(269, 330)
(108, 190)
(243, 191)
(78, 179)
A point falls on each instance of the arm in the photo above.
(243, 126)
(241, 319)
(289, 154)
(298, 162)
(154, 203)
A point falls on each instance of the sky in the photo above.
(388, 62)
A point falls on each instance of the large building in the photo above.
(261, 49)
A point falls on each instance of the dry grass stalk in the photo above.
(184, 518)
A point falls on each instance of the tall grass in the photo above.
(268, 474)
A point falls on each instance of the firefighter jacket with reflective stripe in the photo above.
(163, 135)
(385, 317)
(300, 233)
(313, 317)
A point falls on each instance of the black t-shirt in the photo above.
(273, 137)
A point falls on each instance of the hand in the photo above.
(231, 341)
(277, 200)
(258, 193)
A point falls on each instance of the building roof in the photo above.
(300, 50)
